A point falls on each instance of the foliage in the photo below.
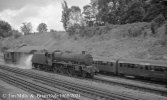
(42, 27)
(127, 11)
(65, 14)
(74, 15)
(74, 29)
(89, 15)
(155, 8)
(157, 22)
(5, 29)
(52, 30)
(102, 12)
(26, 28)
(134, 13)
(16, 33)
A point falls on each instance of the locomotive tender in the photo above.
(65, 63)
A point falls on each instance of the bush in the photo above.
(5, 29)
(157, 22)
(16, 33)
(74, 29)
(163, 40)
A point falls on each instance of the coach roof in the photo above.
(144, 62)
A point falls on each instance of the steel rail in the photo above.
(31, 86)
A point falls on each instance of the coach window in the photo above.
(96, 62)
(157, 68)
(99, 62)
(130, 65)
(111, 64)
(165, 69)
(152, 68)
(120, 64)
(141, 67)
(136, 66)
(103, 63)
(147, 67)
(126, 65)
(7, 54)
(133, 66)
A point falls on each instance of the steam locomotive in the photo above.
(65, 63)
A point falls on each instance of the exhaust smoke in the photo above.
(25, 62)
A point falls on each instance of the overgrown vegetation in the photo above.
(115, 12)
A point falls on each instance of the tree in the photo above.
(154, 9)
(134, 13)
(5, 29)
(42, 27)
(89, 15)
(103, 9)
(65, 14)
(26, 28)
(75, 15)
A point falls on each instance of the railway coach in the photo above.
(105, 65)
(150, 69)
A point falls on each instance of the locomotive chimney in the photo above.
(83, 52)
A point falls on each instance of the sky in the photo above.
(15, 12)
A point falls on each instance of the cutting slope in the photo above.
(114, 41)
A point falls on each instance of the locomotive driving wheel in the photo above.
(84, 74)
(61, 71)
(92, 75)
(55, 69)
(71, 72)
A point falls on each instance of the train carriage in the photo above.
(106, 65)
(143, 68)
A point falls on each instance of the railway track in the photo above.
(151, 89)
(86, 91)
(132, 86)
(37, 90)
(156, 90)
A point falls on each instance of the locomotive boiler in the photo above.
(65, 63)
